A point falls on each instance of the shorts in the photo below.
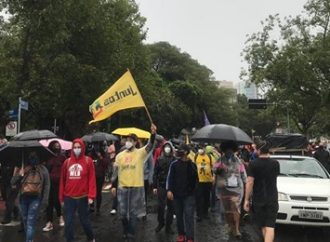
(265, 215)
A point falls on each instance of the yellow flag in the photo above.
(124, 94)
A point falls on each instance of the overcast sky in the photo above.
(212, 31)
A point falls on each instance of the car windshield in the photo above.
(301, 167)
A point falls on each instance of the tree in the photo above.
(59, 55)
(294, 68)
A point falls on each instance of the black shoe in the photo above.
(199, 219)
(6, 221)
(169, 229)
(144, 218)
(159, 228)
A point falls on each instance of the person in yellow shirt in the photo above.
(204, 163)
(128, 182)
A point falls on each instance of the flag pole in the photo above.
(148, 113)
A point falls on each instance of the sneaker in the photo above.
(180, 238)
(113, 212)
(48, 227)
(61, 221)
(159, 228)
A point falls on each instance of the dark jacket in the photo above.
(54, 166)
(101, 166)
(162, 167)
(182, 178)
(323, 156)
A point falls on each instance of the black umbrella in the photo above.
(34, 135)
(99, 137)
(221, 132)
(18, 151)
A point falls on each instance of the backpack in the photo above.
(32, 182)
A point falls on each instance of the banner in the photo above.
(124, 94)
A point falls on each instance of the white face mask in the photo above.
(128, 145)
(77, 151)
(200, 151)
(167, 150)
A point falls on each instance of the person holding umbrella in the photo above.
(128, 177)
(33, 183)
(77, 189)
(54, 166)
(230, 180)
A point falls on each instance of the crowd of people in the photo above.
(187, 179)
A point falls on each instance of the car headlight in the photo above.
(283, 197)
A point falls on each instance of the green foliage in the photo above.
(61, 55)
(294, 67)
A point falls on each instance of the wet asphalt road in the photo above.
(108, 229)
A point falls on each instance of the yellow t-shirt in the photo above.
(204, 168)
(130, 167)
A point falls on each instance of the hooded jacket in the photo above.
(78, 176)
(162, 166)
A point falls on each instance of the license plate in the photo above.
(310, 215)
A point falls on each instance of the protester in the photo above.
(148, 175)
(101, 163)
(159, 147)
(128, 177)
(9, 193)
(230, 179)
(32, 181)
(262, 181)
(323, 156)
(214, 153)
(253, 152)
(162, 166)
(181, 186)
(119, 147)
(54, 166)
(204, 163)
(77, 190)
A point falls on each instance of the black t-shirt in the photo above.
(265, 172)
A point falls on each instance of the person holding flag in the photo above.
(128, 182)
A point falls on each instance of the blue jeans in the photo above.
(70, 207)
(184, 211)
(29, 210)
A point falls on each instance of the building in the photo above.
(225, 84)
(250, 90)
(229, 85)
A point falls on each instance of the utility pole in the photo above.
(19, 115)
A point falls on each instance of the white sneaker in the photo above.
(113, 212)
(48, 227)
(61, 221)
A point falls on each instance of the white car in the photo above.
(303, 191)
